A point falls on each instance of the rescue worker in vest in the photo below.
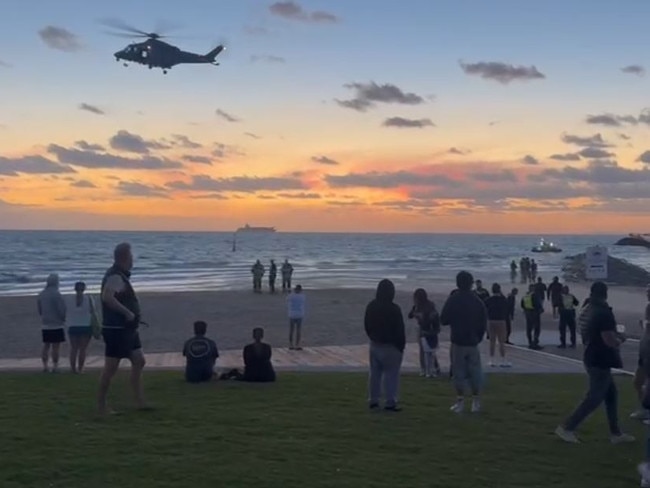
(567, 309)
(533, 310)
(258, 272)
(120, 321)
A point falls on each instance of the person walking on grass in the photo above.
(79, 318)
(465, 313)
(120, 322)
(640, 375)
(601, 355)
(51, 308)
(428, 320)
(296, 302)
(384, 326)
(497, 310)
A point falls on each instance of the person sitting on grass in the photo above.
(201, 354)
(257, 360)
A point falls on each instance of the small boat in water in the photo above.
(544, 246)
(639, 240)
(256, 230)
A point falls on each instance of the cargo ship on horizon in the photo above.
(258, 230)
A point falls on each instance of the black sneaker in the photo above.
(394, 408)
(374, 406)
(562, 346)
(572, 346)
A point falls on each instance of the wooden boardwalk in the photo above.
(334, 358)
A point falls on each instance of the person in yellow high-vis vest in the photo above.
(567, 308)
(533, 310)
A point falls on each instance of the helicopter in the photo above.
(156, 53)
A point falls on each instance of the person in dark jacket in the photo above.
(512, 305)
(384, 325)
(464, 312)
(600, 356)
(540, 290)
(554, 295)
(257, 360)
(568, 304)
(481, 292)
(497, 310)
(200, 355)
(424, 310)
(533, 310)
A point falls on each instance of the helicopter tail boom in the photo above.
(211, 56)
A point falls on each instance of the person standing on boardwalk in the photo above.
(296, 302)
(51, 308)
(568, 304)
(497, 309)
(533, 310)
(273, 274)
(466, 315)
(601, 355)
(120, 322)
(287, 273)
(384, 326)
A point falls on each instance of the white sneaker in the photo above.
(645, 483)
(476, 405)
(506, 364)
(644, 471)
(622, 439)
(640, 414)
(458, 407)
(566, 435)
(491, 364)
(422, 373)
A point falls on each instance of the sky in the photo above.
(329, 116)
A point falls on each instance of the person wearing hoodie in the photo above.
(465, 313)
(51, 308)
(384, 325)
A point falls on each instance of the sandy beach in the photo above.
(334, 317)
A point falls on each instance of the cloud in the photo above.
(376, 179)
(226, 116)
(565, 157)
(223, 151)
(530, 160)
(644, 158)
(252, 135)
(256, 30)
(634, 69)
(91, 108)
(4, 64)
(267, 58)
(594, 153)
(86, 146)
(625, 137)
(83, 184)
(368, 95)
(243, 184)
(135, 189)
(126, 141)
(300, 196)
(91, 159)
(502, 72)
(455, 150)
(585, 141)
(611, 120)
(402, 123)
(190, 158)
(292, 11)
(325, 160)
(34, 165)
(60, 39)
(184, 141)
(494, 177)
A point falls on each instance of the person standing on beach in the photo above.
(79, 318)
(524, 269)
(273, 274)
(424, 311)
(568, 304)
(533, 270)
(296, 302)
(601, 355)
(540, 290)
(287, 273)
(533, 310)
(481, 292)
(643, 365)
(497, 310)
(384, 326)
(513, 271)
(51, 308)
(258, 272)
(554, 295)
(512, 301)
(466, 315)
(120, 321)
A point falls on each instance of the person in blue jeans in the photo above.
(601, 355)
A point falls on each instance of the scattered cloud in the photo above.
(530, 160)
(300, 196)
(496, 176)
(293, 11)
(252, 135)
(184, 141)
(368, 95)
(594, 153)
(95, 160)
(190, 158)
(585, 141)
(34, 165)
(60, 39)
(501, 72)
(226, 116)
(376, 179)
(93, 109)
(455, 150)
(565, 157)
(613, 120)
(83, 184)
(135, 189)
(86, 146)
(267, 58)
(243, 184)
(325, 160)
(4, 64)
(644, 157)
(625, 137)
(128, 142)
(403, 123)
(223, 151)
(634, 69)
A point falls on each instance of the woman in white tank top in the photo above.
(80, 310)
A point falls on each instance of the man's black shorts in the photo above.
(120, 343)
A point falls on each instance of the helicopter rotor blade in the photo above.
(123, 26)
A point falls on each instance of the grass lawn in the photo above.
(308, 430)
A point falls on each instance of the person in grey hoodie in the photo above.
(467, 317)
(51, 308)
(384, 325)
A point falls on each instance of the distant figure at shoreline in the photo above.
(51, 308)
(384, 326)
(296, 303)
(287, 273)
(258, 272)
(513, 271)
(273, 274)
(79, 318)
(200, 355)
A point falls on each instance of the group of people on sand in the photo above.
(527, 270)
(258, 270)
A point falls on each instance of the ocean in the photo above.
(183, 261)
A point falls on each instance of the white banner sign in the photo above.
(596, 263)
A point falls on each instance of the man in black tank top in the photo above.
(120, 319)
